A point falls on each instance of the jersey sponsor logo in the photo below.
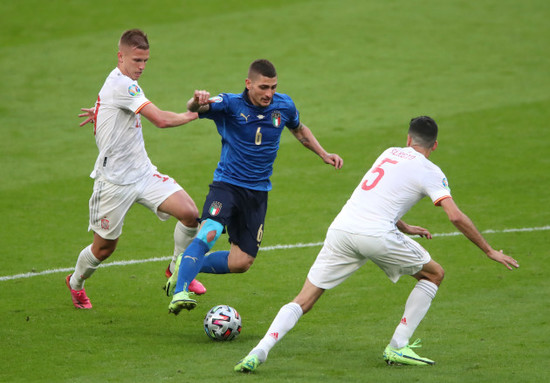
(215, 208)
(245, 117)
(134, 90)
(216, 99)
(276, 118)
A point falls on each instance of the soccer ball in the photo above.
(222, 323)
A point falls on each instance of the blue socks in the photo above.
(216, 263)
(191, 262)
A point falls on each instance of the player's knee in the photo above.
(210, 232)
(241, 264)
(437, 276)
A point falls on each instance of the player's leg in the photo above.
(412, 259)
(245, 229)
(336, 261)
(108, 205)
(88, 261)
(418, 302)
(287, 317)
(190, 265)
(181, 206)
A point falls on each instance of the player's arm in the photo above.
(413, 230)
(165, 119)
(200, 102)
(306, 137)
(467, 227)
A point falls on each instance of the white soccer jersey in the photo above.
(122, 157)
(399, 178)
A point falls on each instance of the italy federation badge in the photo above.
(215, 208)
(276, 118)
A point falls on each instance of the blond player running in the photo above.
(123, 172)
(369, 227)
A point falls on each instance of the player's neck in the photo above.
(423, 151)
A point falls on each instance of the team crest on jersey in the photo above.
(215, 208)
(134, 90)
(276, 118)
(104, 223)
(216, 99)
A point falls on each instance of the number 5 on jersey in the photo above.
(378, 169)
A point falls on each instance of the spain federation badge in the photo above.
(276, 118)
(215, 208)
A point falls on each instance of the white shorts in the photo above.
(110, 203)
(344, 253)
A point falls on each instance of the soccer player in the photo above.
(369, 227)
(250, 124)
(123, 172)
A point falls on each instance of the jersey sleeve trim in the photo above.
(142, 106)
(437, 202)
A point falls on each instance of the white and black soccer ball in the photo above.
(222, 322)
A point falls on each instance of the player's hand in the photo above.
(500, 257)
(89, 114)
(202, 97)
(418, 230)
(334, 160)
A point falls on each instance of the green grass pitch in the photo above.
(358, 71)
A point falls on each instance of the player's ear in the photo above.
(435, 146)
(248, 83)
(409, 140)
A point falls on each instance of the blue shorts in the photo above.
(241, 211)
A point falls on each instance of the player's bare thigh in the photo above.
(181, 206)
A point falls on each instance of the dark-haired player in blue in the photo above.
(250, 125)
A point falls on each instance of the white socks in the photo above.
(183, 236)
(417, 306)
(86, 264)
(285, 320)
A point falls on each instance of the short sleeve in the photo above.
(130, 96)
(437, 186)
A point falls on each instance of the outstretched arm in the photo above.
(306, 137)
(165, 119)
(467, 227)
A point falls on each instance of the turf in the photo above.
(358, 71)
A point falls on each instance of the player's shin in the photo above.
(417, 306)
(190, 264)
(285, 320)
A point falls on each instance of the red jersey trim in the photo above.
(142, 106)
(438, 201)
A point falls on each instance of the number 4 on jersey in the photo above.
(378, 169)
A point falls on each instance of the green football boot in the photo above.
(406, 355)
(181, 301)
(247, 364)
(173, 278)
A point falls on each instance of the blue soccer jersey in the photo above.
(250, 137)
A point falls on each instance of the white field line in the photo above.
(266, 248)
